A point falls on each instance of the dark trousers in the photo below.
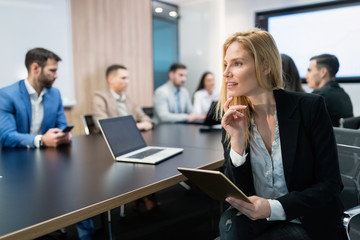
(233, 226)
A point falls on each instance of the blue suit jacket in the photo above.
(15, 115)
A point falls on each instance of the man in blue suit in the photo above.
(31, 111)
(32, 114)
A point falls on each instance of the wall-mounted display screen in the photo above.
(306, 31)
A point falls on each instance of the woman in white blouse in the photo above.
(205, 94)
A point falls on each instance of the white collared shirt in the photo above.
(37, 108)
(203, 100)
(121, 101)
(37, 112)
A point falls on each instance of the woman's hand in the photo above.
(234, 123)
(258, 209)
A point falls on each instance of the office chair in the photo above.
(90, 125)
(348, 144)
(348, 215)
(351, 122)
(148, 111)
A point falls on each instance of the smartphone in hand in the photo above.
(68, 128)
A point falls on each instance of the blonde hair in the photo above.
(263, 49)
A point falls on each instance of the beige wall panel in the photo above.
(106, 32)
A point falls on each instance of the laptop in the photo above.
(126, 143)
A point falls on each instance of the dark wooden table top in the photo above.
(45, 190)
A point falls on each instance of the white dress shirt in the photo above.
(121, 101)
(37, 112)
(203, 100)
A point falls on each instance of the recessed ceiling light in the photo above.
(158, 10)
(173, 14)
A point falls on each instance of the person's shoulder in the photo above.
(13, 89)
(200, 92)
(164, 88)
(102, 92)
(328, 87)
(53, 91)
(298, 97)
(13, 86)
(53, 94)
(129, 99)
(184, 89)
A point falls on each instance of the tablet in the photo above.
(213, 183)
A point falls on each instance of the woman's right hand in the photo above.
(234, 123)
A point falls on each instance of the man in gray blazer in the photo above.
(172, 101)
(114, 102)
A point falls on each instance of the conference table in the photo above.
(43, 190)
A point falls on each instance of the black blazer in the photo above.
(310, 162)
(338, 102)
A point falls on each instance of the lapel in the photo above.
(172, 102)
(113, 106)
(25, 97)
(289, 121)
(47, 112)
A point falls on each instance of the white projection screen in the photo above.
(307, 32)
(28, 24)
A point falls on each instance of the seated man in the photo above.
(321, 77)
(115, 102)
(31, 111)
(172, 101)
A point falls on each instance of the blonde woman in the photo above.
(279, 149)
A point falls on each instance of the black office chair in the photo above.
(351, 122)
(90, 125)
(148, 111)
(348, 144)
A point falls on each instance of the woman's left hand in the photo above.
(258, 209)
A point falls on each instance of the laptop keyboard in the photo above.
(145, 153)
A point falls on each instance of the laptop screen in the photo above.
(122, 134)
(211, 115)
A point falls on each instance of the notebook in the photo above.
(213, 183)
(126, 143)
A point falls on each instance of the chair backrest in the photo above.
(148, 111)
(348, 144)
(90, 126)
(351, 122)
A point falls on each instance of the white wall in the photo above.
(40, 23)
(205, 24)
(200, 39)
